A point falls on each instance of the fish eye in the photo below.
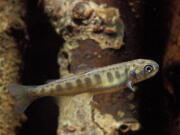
(148, 68)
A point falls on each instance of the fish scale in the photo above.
(104, 79)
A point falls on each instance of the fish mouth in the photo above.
(156, 67)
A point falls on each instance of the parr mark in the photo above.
(98, 78)
(110, 76)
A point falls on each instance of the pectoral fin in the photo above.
(129, 85)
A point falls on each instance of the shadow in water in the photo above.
(40, 65)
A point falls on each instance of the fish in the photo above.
(99, 80)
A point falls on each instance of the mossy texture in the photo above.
(9, 73)
(10, 62)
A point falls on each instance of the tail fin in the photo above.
(20, 92)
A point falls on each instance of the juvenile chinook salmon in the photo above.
(105, 79)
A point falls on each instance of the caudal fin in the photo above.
(20, 93)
